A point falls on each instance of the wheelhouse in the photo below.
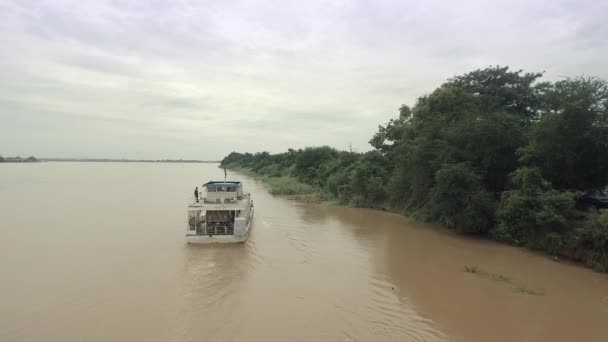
(222, 192)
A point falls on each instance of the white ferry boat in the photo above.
(223, 213)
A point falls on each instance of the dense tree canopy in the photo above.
(493, 152)
(570, 143)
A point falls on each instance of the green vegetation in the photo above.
(493, 152)
(280, 184)
(505, 280)
(590, 242)
(286, 185)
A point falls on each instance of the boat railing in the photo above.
(195, 222)
(219, 229)
(226, 200)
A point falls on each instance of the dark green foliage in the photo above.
(459, 200)
(353, 178)
(458, 147)
(592, 241)
(553, 243)
(367, 182)
(492, 152)
(570, 143)
(387, 138)
(308, 162)
(533, 209)
(501, 89)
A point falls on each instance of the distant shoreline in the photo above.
(127, 160)
(18, 160)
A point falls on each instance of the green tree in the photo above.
(459, 200)
(592, 241)
(570, 143)
(532, 209)
(493, 152)
(308, 161)
(501, 89)
(479, 119)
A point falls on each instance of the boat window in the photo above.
(211, 189)
(231, 189)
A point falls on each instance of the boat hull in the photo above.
(210, 239)
(202, 239)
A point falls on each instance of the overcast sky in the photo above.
(198, 79)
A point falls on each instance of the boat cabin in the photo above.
(222, 192)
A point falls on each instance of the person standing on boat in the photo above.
(196, 194)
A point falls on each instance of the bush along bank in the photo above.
(493, 152)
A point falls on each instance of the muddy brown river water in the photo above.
(96, 252)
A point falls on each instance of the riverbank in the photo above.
(493, 153)
(18, 160)
(295, 189)
(283, 185)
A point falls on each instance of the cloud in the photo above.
(192, 79)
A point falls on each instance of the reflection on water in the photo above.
(114, 266)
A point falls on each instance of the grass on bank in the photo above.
(281, 185)
(286, 185)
